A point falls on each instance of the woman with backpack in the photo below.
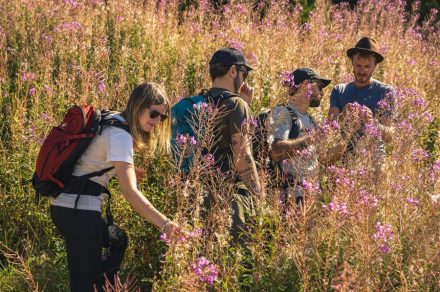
(76, 212)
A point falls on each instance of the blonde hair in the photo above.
(143, 96)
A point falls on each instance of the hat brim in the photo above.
(325, 82)
(250, 68)
(352, 51)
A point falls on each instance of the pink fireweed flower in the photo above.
(306, 27)
(208, 159)
(419, 102)
(335, 125)
(237, 30)
(311, 187)
(241, 9)
(309, 89)
(405, 126)
(235, 44)
(226, 10)
(384, 234)
(28, 76)
(101, 86)
(260, 4)
(183, 140)
(32, 91)
(72, 26)
(287, 80)
(367, 199)
(373, 130)
(412, 201)
(338, 208)
(251, 122)
(205, 271)
(163, 237)
(204, 5)
(420, 154)
(198, 232)
(411, 62)
(72, 3)
(203, 106)
(427, 117)
(436, 166)
(302, 152)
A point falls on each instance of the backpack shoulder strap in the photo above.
(292, 112)
(296, 128)
(218, 98)
(203, 93)
(114, 122)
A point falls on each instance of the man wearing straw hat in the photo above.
(366, 100)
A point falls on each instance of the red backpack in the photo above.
(64, 146)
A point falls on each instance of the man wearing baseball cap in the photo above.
(232, 151)
(289, 127)
(358, 101)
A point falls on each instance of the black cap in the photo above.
(228, 57)
(302, 74)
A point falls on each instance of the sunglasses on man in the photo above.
(244, 70)
(154, 114)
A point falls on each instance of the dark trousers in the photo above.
(85, 234)
(243, 211)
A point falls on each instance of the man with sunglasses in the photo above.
(289, 125)
(232, 150)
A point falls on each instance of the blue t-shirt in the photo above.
(368, 96)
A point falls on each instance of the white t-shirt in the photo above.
(279, 125)
(114, 144)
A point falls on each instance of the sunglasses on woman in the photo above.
(154, 114)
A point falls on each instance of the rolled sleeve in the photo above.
(334, 99)
(239, 114)
(279, 124)
(120, 146)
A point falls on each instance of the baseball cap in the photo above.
(302, 74)
(228, 57)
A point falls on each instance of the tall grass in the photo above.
(368, 228)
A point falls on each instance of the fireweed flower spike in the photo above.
(206, 272)
(384, 234)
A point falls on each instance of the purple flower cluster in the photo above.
(251, 122)
(28, 76)
(367, 199)
(340, 208)
(311, 187)
(287, 79)
(101, 86)
(412, 201)
(384, 233)
(72, 26)
(235, 44)
(241, 9)
(208, 159)
(183, 140)
(196, 233)
(206, 272)
(373, 130)
(420, 154)
(203, 106)
(72, 3)
(419, 102)
(32, 91)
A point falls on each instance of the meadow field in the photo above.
(364, 226)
